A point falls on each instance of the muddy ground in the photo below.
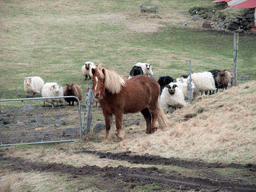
(122, 178)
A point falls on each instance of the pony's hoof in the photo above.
(152, 130)
(119, 139)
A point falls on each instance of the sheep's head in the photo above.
(69, 87)
(171, 89)
(148, 66)
(28, 81)
(222, 72)
(56, 88)
(88, 65)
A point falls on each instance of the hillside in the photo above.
(219, 127)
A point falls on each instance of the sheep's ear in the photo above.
(175, 86)
(103, 71)
(53, 87)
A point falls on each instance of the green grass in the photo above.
(54, 39)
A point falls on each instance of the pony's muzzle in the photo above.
(97, 95)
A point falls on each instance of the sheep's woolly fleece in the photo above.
(223, 128)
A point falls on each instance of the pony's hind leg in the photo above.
(147, 115)
(154, 114)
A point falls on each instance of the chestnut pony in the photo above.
(118, 97)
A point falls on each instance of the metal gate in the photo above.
(26, 121)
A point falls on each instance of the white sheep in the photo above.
(87, 69)
(52, 89)
(184, 84)
(33, 85)
(146, 68)
(172, 96)
(203, 81)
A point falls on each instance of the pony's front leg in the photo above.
(119, 123)
(108, 120)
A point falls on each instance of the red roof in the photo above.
(243, 3)
(217, 1)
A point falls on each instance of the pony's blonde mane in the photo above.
(113, 81)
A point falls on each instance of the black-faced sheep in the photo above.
(163, 81)
(146, 67)
(73, 90)
(203, 81)
(87, 69)
(52, 89)
(33, 85)
(172, 96)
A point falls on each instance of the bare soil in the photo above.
(134, 177)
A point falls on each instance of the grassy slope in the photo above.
(53, 39)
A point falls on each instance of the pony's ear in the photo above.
(93, 71)
(103, 71)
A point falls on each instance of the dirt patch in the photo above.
(132, 177)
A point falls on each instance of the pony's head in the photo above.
(104, 78)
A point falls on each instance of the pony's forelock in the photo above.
(113, 81)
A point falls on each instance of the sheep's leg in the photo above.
(34, 94)
(147, 115)
(119, 123)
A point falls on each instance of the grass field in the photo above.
(54, 39)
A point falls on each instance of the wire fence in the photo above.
(26, 121)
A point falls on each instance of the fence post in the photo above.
(190, 80)
(88, 110)
(235, 58)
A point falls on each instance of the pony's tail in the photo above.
(162, 119)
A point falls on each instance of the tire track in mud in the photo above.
(134, 175)
(157, 160)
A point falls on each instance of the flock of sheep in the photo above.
(36, 84)
(174, 92)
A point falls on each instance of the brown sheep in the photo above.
(223, 79)
(73, 90)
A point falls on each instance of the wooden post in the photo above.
(88, 110)
(235, 58)
(190, 80)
